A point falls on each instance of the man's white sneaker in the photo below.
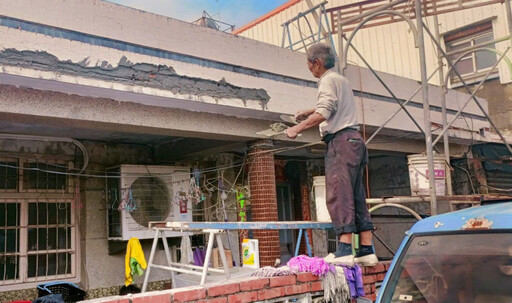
(347, 260)
(368, 260)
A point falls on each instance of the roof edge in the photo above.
(265, 17)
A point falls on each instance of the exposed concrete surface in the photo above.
(157, 76)
(99, 269)
(16, 147)
(499, 98)
(92, 117)
(122, 23)
(85, 113)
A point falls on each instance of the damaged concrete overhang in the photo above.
(141, 75)
(33, 111)
(129, 96)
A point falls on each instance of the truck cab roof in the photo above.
(493, 216)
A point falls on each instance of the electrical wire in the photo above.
(229, 191)
(117, 176)
(102, 172)
(497, 188)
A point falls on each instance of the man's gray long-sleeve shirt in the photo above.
(335, 103)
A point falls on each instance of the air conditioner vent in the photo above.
(152, 196)
(143, 194)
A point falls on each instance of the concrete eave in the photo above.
(129, 96)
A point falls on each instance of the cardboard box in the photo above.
(216, 260)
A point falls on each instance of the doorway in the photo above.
(285, 213)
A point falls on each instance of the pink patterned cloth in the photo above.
(314, 265)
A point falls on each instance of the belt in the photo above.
(328, 137)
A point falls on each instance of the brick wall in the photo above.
(372, 275)
(250, 289)
(262, 182)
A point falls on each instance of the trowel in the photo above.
(279, 128)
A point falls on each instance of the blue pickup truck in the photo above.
(458, 257)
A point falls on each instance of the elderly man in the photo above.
(345, 158)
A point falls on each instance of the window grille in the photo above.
(38, 233)
(43, 249)
(8, 175)
(49, 239)
(9, 241)
(37, 176)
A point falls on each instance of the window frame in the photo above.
(4, 161)
(23, 197)
(21, 175)
(477, 74)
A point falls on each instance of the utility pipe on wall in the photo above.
(54, 139)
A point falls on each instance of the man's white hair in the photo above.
(322, 52)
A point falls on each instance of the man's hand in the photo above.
(303, 114)
(314, 119)
(291, 132)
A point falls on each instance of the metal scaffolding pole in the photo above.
(426, 109)
(370, 12)
(446, 141)
(440, 49)
(340, 44)
(475, 90)
(386, 87)
(397, 111)
(344, 55)
(418, 31)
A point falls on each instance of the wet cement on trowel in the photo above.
(145, 74)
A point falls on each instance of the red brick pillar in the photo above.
(262, 182)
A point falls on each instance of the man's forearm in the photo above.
(310, 111)
(304, 114)
(313, 120)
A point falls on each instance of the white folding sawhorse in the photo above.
(160, 229)
(214, 229)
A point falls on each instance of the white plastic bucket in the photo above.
(418, 174)
(322, 214)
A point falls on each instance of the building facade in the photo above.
(92, 92)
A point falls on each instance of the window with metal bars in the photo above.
(9, 241)
(49, 239)
(8, 175)
(43, 249)
(37, 223)
(43, 176)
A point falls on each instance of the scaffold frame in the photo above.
(362, 16)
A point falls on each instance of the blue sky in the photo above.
(237, 12)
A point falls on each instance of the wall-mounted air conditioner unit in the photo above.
(143, 193)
